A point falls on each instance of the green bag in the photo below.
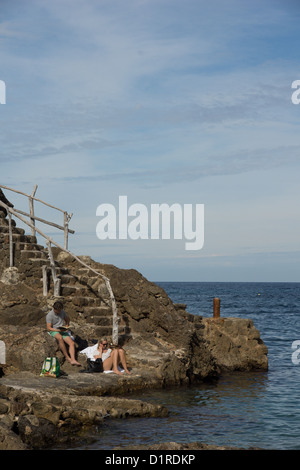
(51, 367)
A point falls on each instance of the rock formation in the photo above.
(165, 345)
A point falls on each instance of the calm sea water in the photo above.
(259, 409)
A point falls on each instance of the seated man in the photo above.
(55, 320)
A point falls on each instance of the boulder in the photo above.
(235, 344)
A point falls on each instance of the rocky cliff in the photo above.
(165, 345)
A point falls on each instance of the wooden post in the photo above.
(60, 227)
(67, 218)
(115, 318)
(216, 303)
(57, 285)
(31, 209)
(45, 280)
(56, 280)
(66, 224)
(11, 248)
(2, 353)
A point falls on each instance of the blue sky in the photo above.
(163, 101)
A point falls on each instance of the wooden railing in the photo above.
(31, 198)
(56, 280)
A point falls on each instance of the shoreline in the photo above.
(60, 411)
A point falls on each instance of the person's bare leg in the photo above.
(107, 363)
(115, 359)
(62, 346)
(122, 357)
(71, 345)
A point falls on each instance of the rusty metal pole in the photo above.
(216, 307)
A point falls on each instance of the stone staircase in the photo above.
(83, 293)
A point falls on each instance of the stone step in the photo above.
(81, 270)
(5, 223)
(87, 301)
(103, 310)
(73, 289)
(101, 331)
(74, 282)
(29, 254)
(83, 274)
(77, 280)
(87, 279)
(17, 237)
(100, 321)
(39, 262)
(29, 246)
(5, 231)
(67, 278)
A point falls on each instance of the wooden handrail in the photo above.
(44, 221)
(33, 218)
(115, 328)
(32, 197)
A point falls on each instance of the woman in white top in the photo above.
(111, 358)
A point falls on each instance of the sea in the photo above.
(259, 409)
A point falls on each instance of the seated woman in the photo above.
(111, 357)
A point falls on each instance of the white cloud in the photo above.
(154, 99)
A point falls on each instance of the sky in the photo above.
(164, 102)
